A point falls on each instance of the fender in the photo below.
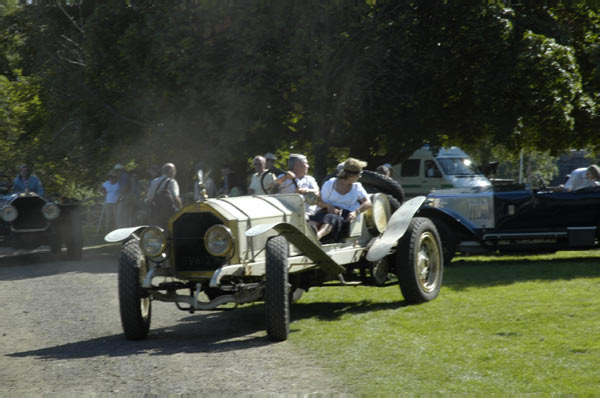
(456, 222)
(119, 235)
(396, 228)
(309, 247)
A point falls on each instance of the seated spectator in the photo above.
(341, 200)
(583, 177)
(26, 182)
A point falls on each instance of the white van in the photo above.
(451, 168)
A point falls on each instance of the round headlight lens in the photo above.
(153, 242)
(9, 213)
(218, 240)
(51, 211)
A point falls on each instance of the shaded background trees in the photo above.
(86, 84)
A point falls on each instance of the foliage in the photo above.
(148, 81)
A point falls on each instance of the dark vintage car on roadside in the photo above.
(515, 219)
(28, 220)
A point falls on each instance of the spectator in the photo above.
(583, 177)
(232, 185)
(125, 204)
(342, 199)
(110, 188)
(26, 182)
(296, 180)
(384, 170)
(257, 181)
(166, 183)
(269, 161)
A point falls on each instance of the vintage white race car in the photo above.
(260, 248)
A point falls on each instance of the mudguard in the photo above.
(397, 226)
(119, 235)
(309, 247)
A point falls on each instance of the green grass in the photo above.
(500, 325)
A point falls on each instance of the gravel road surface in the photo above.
(60, 334)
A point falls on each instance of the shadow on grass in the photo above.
(329, 311)
(467, 273)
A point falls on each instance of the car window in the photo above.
(457, 166)
(410, 168)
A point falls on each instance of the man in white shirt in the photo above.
(296, 180)
(255, 187)
(168, 171)
(583, 177)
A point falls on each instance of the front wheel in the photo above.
(419, 262)
(134, 303)
(277, 298)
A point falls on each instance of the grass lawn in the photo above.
(501, 325)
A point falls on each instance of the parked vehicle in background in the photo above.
(425, 171)
(514, 219)
(28, 221)
(261, 248)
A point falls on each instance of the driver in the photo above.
(583, 177)
(26, 182)
(296, 180)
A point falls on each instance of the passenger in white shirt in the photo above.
(342, 199)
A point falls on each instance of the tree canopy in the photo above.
(85, 84)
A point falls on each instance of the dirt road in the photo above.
(60, 334)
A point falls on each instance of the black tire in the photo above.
(419, 262)
(277, 298)
(375, 182)
(74, 235)
(134, 304)
(394, 203)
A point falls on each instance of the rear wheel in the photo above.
(419, 262)
(134, 304)
(277, 298)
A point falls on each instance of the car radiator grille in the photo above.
(188, 243)
(30, 214)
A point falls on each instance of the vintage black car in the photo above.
(515, 219)
(28, 220)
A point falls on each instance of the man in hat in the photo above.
(583, 177)
(269, 161)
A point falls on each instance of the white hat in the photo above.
(118, 166)
(270, 156)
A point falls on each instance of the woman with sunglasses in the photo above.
(341, 200)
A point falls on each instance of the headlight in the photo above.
(51, 211)
(153, 242)
(218, 240)
(9, 213)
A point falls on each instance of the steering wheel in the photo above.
(273, 189)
